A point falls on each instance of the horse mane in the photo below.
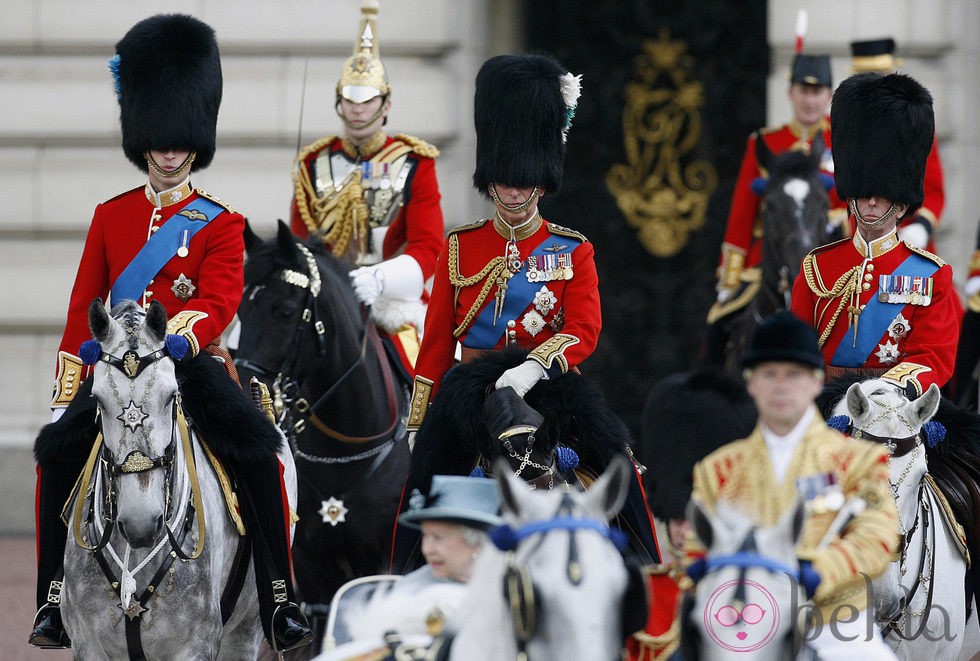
(448, 443)
(70, 437)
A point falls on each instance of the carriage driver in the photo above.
(374, 198)
(170, 242)
(881, 306)
(792, 454)
(810, 88)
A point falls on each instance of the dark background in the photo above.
(653, 308)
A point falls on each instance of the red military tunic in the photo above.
(416, 227)
(551, 301)
(887, 307)
(200, 291)
(742, 246)
(934, 197)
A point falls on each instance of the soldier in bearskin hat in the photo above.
(878, 55)
(169, 242)
(880, 305)
(519, 283)
(373, 198)
(792, 454)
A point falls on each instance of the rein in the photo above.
(923, 573)
(285, 387)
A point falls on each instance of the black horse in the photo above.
(794, 222)
(338, 401)
(576, 435)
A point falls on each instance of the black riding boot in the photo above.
(284, 624)
(55, 480)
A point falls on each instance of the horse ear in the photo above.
(98, 320)
(858, 404)
(817, 149)
(608, 493)
(156, 320)
(700, 521)
(763, 155)
(287, 244)
(509, 486)
(252, 239)
(925, 406)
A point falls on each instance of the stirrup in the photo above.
(49, 630)
(296, 629)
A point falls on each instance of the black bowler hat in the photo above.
(811, 70)
(783, 337)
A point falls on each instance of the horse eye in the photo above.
(726, 616)
(752, 613)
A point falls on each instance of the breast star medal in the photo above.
(333, 511)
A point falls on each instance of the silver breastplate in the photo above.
(383, 183)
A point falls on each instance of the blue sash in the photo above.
(161, 247)
(520, 294)
(876, 317)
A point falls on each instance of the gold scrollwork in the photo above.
(660, 194)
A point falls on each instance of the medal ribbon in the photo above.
(876, 317)
(483, 334)
(161, 248)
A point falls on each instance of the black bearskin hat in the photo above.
(882, 129)
(522, 111)
(687, 416)
(168, 80)
(811, 70)
(783, 337)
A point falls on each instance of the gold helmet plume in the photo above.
(363, 75)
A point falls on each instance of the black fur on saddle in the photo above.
(221, 412)
(574, 410)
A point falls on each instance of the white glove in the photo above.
(57, 413)
(411, 440)
(725, 294)
(972, 286)
(522, 378)
(397, 278)
(914, 234)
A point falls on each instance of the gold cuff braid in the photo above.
(71, 373)
(421, 392)
(552, 350)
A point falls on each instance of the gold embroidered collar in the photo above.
(170, 196)
(522, 231)
(877, 247)
(367, 148)
(801, 132)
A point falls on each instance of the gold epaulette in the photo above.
(939, 261)
(564, 231)
(314, 147)
(419, 146)
(468, 227)
(216, 200)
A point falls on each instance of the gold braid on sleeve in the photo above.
(848, 286)
(338, 217)
(491, 272)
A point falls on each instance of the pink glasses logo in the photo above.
(741, 627)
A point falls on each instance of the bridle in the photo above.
(295, 409)
(518, 586)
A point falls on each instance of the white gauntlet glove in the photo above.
(57, 413)
(522, 378)
(398, 278)
(972, 286)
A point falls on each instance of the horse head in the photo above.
(135, 386)
(794, 213)
(556, 579)
(747, 586)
